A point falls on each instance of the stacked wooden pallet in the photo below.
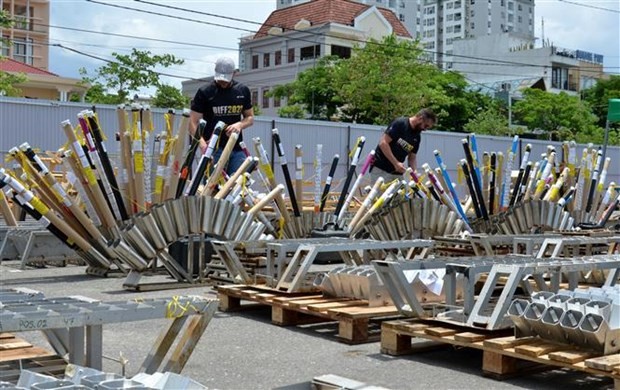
(356, 321)
(503, 355)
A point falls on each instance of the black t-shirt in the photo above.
(219, 104)
(405, 140)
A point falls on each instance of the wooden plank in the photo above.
(538, 348)
(498, 364)
(604, 363)
(321, 307)
(284, 300)
(26, 353)
(14, 343)
(439, 331)
(571, 357)
(363, 312)
(506, 342)
(299, 303)
(469, 337)
(6, 336)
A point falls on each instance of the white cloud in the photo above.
(582, 27)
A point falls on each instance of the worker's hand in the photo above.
(234, 128)
(203, 146)
(400, 168)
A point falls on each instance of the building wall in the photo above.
(562, 70)
(444, 22)
(38, 123)
(30, 36)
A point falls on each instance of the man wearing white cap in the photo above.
(223, 100)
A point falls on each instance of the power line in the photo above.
(277, 35)
(590, 6)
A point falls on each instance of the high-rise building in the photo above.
(29, 35)
(444, 21)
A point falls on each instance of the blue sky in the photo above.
(566, 24)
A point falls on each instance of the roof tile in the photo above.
(319, 12)
(9, 65)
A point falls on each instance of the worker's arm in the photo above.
(194, 119)
(413, 161)
(384, 145)
(247, 121)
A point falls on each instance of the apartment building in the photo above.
(445, 21)
(29, 34)
(292, 39)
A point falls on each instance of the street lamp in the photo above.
(613, 115)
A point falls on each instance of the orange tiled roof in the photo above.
(9, 65)
(320, 12)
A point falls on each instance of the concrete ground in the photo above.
(243, 350)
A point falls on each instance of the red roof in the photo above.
(9, 65)
(319, 12)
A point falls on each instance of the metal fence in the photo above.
(38, 123)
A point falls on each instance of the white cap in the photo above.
(224, 69)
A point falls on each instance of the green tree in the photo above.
(313, 91)
(294, 111)
(491, 121)
(126, 75)
(8, 80)
(598, 97)
(381, 81)
(168, 96)
(560, 115)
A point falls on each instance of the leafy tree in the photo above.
(313, 90)
(598, 97)
(8, 80)
(558, 114)
(126, 75)
(491, 121)
(382, 80)
(168, 96)
(294, 111)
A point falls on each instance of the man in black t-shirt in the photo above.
(223, 100)
(401, 140)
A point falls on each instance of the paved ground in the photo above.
(245, 351)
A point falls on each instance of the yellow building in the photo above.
(28, 51)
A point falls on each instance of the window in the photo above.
(5, 48)
(457, 29)
(519, 18)
(511, 6)
(22, 50)
(291, 55)
(254, 94)
(472, 25)
(278, 58)
(519, 7)
(276, 101)
(310, 52)
(266, 60)
(341, 51)
(255, 61)
(265, 98)
(457, 17)
(401, 17)
(23, 17)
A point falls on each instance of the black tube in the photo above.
(328, 181)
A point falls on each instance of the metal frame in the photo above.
(295, 273)
(74, 325)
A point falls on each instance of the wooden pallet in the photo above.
(355, 319)
(17, 354)
(503, 356)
